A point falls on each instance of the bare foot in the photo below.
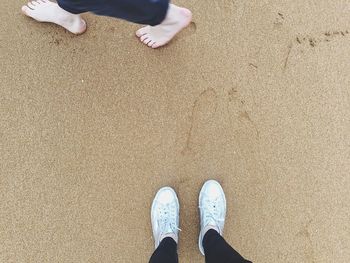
(46, 11)
(176, 19)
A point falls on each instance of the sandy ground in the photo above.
(254, 93)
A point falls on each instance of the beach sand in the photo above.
(254, 94)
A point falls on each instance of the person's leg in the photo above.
(164, 20)
(217, 250)
(166, 252)
(212, 205)
(47, 11)
(165, 226)
(150, 12)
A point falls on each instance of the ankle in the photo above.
(210, 227)
(169, 235)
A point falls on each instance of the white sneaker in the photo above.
(212, 206)
(165, 215)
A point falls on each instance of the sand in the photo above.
(254, 94)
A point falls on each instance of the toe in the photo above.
(156, 45)
(151, 43)
(25, 10)
(83, 27)
(139, 33)
(143, 38)
(147, 41)
(142, 31)
(159, 44)
(31, 5)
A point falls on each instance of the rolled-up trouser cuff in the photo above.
(146, 12)
(160, 15)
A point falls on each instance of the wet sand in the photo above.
(254, 94)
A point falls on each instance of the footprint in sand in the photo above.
(316, 39)
(239, 113)
(245, 136)
(203, 110)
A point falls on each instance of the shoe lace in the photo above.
(211, 208)
(167, 219)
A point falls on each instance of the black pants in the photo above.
(146, 12)
(217, 250)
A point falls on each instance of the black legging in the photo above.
(217, 250)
